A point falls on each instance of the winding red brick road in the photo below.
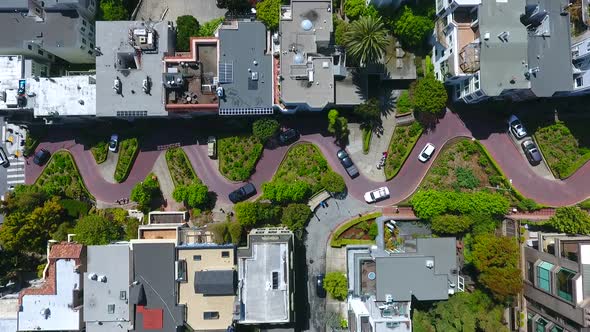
(544, 191)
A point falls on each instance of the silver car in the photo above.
(516, 127)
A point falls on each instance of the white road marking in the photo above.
(10, 176)
(16, 181)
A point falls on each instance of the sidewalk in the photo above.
(166, 185)
(336, 262)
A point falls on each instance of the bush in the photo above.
(402, 142)
(209, 27)
(450, 224)
(337, 125)
(527, 204)
(373, 230)
(336, 242)
(353, 9)
(193, 195)
(181, 170)
(96, 230)
(251, 214)
(75, 208)
(295, 216)
(100, 152)
(412, 30)
(336, 285)
(220, 233)
(429, 95)
(268, 12)
(466, 179)
(127, 152)
(571, 220)
(61, 178)
(367, 135)
(144, 193)
(186, 27)
(428, 204)
(235, 232)
(340, 28)
(333, 182)
(263, 129)
(404, 103)
(113, 10)
(282, 192)
(238, 156)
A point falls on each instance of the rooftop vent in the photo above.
(298, 59)
(254, 76)
(371, 275)
(306, 25)
(430, 264)
(103, 279)
(92, 276)
(388, 298)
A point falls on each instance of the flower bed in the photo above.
(128, 149)
(339, 237)
(180, 168)
(62, 178)
(403, 140)
(238, 156)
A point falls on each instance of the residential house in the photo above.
(265, 277)
(505, 50)
(56, 303)
(557, 272)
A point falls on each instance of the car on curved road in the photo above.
(516, 127)
(347, 163)
(242, 193)
(531, 152)
(288, 136)
(376, 195)
(41, 157)
(427, 152)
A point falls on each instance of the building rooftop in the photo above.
(8, 313)
(48, 4)
(426, 274)
(54, 305)
(62, 96)
(153, 292)
(169, 217)
(215, 282)
(106, 288)
(131, 68)
(307, 77)
(264, 277)
(245, 70)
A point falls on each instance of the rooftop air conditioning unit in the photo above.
(92, 276)
(388, 298)
(430, 264)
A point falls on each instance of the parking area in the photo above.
(169, 10)
(541, 169)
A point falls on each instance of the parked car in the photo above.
(377, 195)
(516, 127)
(114, 143)
(347, 163)
(531, 152)
(288, 136)
(319, 286)
(41, 157)
(242, 193)
(212, 147)
(427, 152)
(3, 158)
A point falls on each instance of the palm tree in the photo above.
(366, 39)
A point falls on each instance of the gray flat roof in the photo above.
(114, 262)
(298, 44)
(154, 272)
(243, 53)
(404, 275)
(57, 30)
(219, 282)
(48, 4)
(551, 51)
(113, 39)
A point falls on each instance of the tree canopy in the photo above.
(571, 220)
(113, 10)
(337, 125)
(450, 224)
(411, 29)
(366, 39)
(234, 6)
(430, 203)
(265, 128)
(369, 112)
(429, 95)
(96, 230)
(340, 28)
(143, 193)
(251, 214)
(336, 285)
(268, 11)
(282, 192)
(194, 195)
(295, 216)
(187, 26)
(333, 182)
(354, 8)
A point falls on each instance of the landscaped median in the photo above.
(356, 231)
(238, 156)
(62, 178)
(100, 152)
(181, 171)
(402, 143)
(128, 149)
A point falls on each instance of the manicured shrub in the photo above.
(128, 149)
(430, 203)
(265, 128)
(333, 182)
(336, 285)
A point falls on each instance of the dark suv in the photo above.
(41, 157)
(288, 136)
(242, 193)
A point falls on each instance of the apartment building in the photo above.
(556, 282)
(505, 50)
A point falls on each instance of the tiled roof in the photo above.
(66, 250)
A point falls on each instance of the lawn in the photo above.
(128, 149)
(238, 156)
(562, 150)
(463, 166)
(100, 151)
(402, 142)
(180, 168)
(61, 177)
(304, 162)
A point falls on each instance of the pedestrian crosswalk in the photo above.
(15, 173)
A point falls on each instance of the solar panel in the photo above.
(226, 72)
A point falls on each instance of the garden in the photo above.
(128, 149)
(180, 168)
(238, 156)
(362, 230)
(403, 140)
(61, 178)
(564, 152)
(100, 151)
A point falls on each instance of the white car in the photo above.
(114, 143)
(377, 195)
(427, 152)
(516, 127)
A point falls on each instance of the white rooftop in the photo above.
(53, 312)
(63, 96)
(11, 71)
(8, 313)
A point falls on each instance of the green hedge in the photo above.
(56, 178)
(128, 149)
(238, 156)
(181, 170)
(400, 136)
(100, 152)
(367, 135)
(335, 242)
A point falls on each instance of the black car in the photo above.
(531, 152)
(288, 136)
(41, 157)
(242, 193)
(347, 163)
(319, 286)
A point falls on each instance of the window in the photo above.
(82, 29)
(225, 254)
(556, 328)
(83, 23)
(196, 257)
(40, 52)
(275, 280)
(30, 47)
(90, 52)
(123, 295)
(92, 45)
(210, 315)
(83, 41)
(544, 276)
(111, 308)
(540, 325)
(565, 284)
(476, 81)
(579, 81)
(530, 269)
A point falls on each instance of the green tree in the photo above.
(97, 230)
(235, 232)
(336, 285)
(286, 192)
(113, 10)
(24, 198)
(354, 8)
(366, 39)
(234, 6)
(571, 220)
(220, 232)
(209, 27)
(333, 182)
(193, 195)
(337, 125)
(143, 193)
(412, 30)
(187, 26)
(450, 224)
(340, 28)
(430, 203)
(62, 231)
(247, 213)
(265, 128)
(429, 95)
(504, 283)
(268, 11)
(295, 216)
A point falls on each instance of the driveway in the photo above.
(169, 10)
